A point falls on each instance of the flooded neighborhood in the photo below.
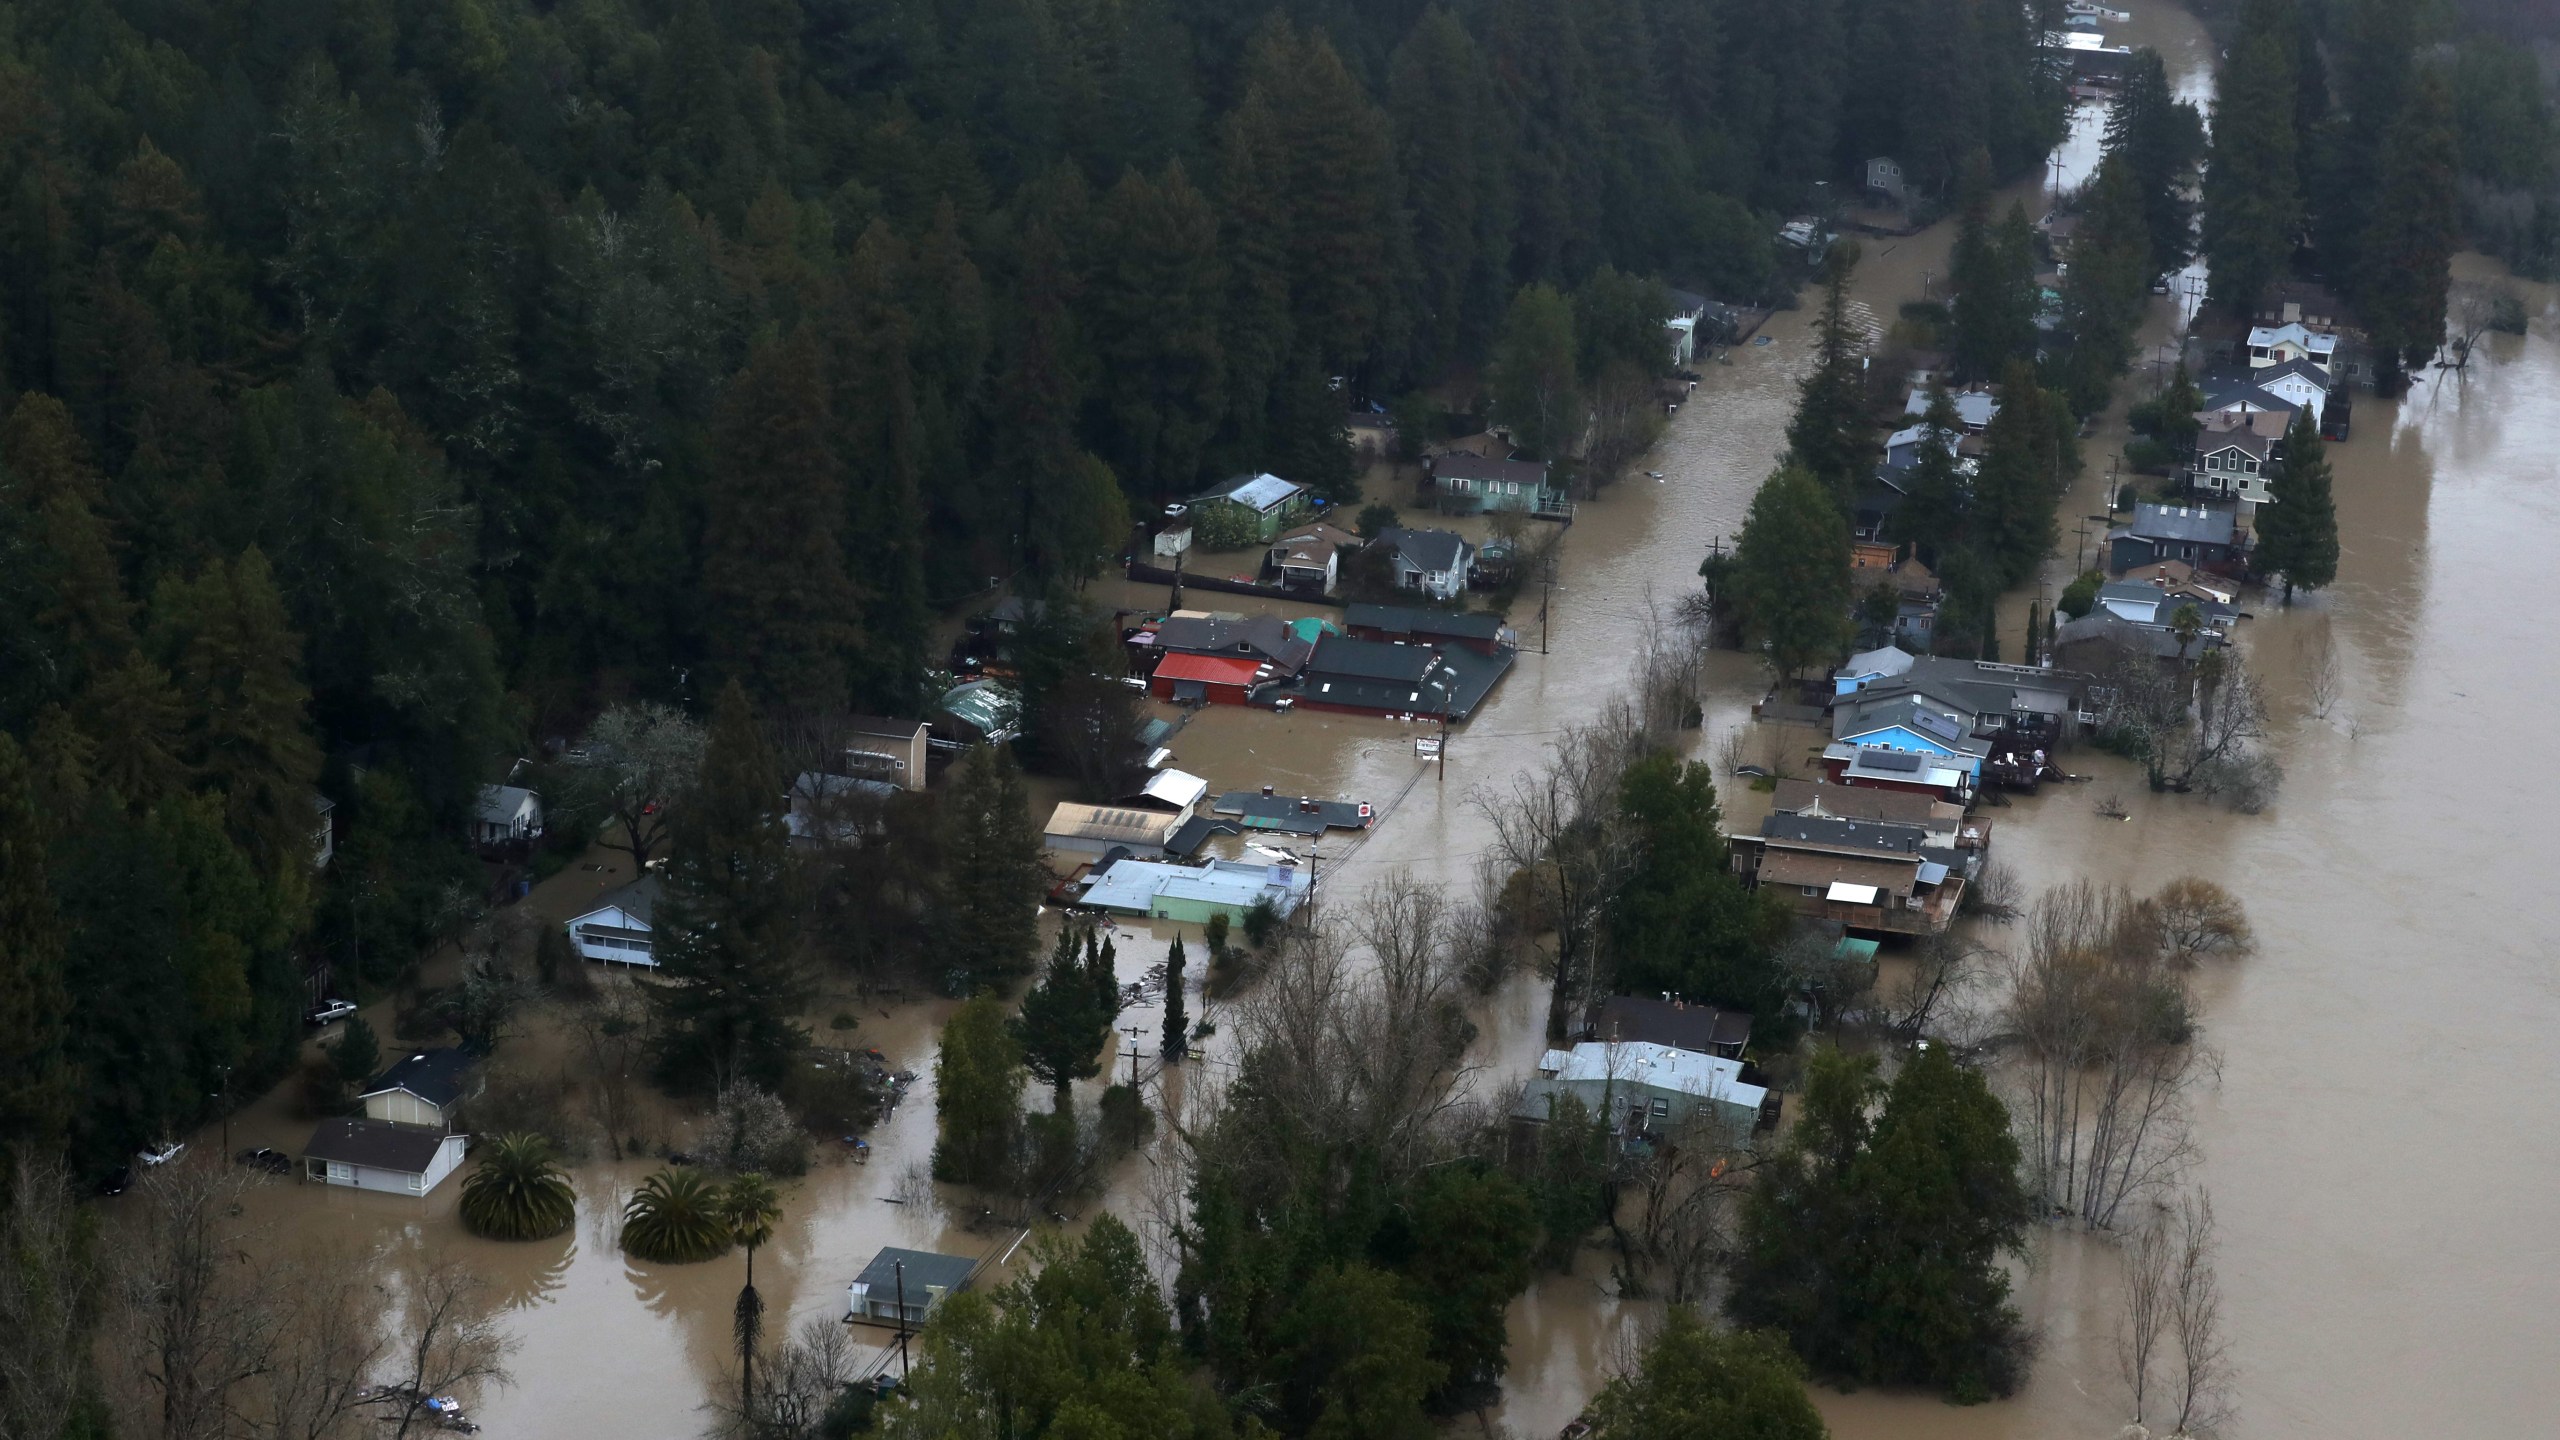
(1278, 903)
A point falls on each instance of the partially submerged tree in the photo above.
(517, 1192)
(1695, 1381)
(977, 1095)
(676, 1218)
(640, 758)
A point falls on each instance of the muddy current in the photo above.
(2379, 1145)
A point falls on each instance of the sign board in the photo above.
(1426, 747)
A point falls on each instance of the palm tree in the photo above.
(751, 1208)
(518, 1193)
(677, 1218)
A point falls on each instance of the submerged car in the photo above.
(274, 1162)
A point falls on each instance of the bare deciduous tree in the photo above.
(2144, 1324)
(1939, 994)
(2203, 1387)
(450, 1342)
(612, 1031)
(193, 1317)
(801, 1380)
(2196, 918)
(2105, 1053)
(1685, 1189)
(49, 1284)
(329, 1337)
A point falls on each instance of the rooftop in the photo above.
(1974, 407)
(636, 899)
(1464, 465)
(1682, 1026)
(1637, 1062)
(2182, 522)
(1340, 655)
(1415, 620)
(1861, 802)
(501, 804)
(1132, 886)
(1109, 823)
(922, 1271)
(1426, 549)
(1210, 669)
(375, 1145)
(434, 1076)
(1255, 492)
(1882, 837)
(1178, 788)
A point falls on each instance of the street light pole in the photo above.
(902, 1320)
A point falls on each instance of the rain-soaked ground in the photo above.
(2379, 1147)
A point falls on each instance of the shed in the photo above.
(901, 1287)
(1207, 679)
(378, 1155)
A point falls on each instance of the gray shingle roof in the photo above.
(375, 1145)
(922, 1268)
(1463, 465)
(1426, 549)
(1340, 655)
(1888, 838)
(434, 1076)
(636, 899)
(1414, 620)
(2194, 523)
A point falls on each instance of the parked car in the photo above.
(118, 1181)
(163, 1153)
(274, 1162)
(329, 1011)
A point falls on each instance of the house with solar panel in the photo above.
(1938, 736)
(1870, 876)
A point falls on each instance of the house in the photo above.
(2206, 537)
(1885, 183)
(378, 1155)
(1372, 435)
(1902, 451)
(836, 809)
(1265, 504)
(1645, 1020)
(976, 712)
(2088, 56)
(1868, 666)
(1436, 563)
(2059, 232)
(426, 1089)
(1101, 829)
(2234, 452)
(1172, 792)
(1910, 721)
(886, 749)
(1309, 557)
(1371, 678)
(2021, 704)
(1292, 814)
(1467, 483)
(1194, 894)
(324, 831)
(1264, 639)
(2180, 578)
(2152, 605)
(1806, 235)
(2098, 642)
(1942, 825)
(2301, 383)
(1480, 631)
(1910, 771)
(1643, 1091)
(1975, 407)
(902, 1287)
(1208, 679)
(1680, 327)
(617, 931)
(2273, 345)
(1878, 878)
(506, 815)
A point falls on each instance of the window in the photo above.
(1661, 1107)
(418, 1184)
(2249, 465)
(1810, 889)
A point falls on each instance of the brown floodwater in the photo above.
(2379, 1146)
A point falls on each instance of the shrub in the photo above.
(677, 1217)
(1125, 1120)
(1260, 924)
(514, 1102)
(2081, 595)
(518, 1193)
(1374, 518)
(2147, 456)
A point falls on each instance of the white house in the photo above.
(507, 814)
(1436, 562)
(378, 1155)
(1309, 557)
(424, 1090)
(1177, 793)
(617, 930)
(2276, 344)
(1639, 1087)
(1885, 182)
(2303, 384)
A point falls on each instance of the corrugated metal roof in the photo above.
(1256, 492)
(1210, 669)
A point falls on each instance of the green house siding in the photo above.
(1194, 912)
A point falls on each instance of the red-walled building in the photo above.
(1214, 679)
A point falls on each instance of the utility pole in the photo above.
(1132, 1032)
(902, 1320)
(226, 1111)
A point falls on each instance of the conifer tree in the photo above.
(2160, 139)
(730, 979)
(2298, 526)
(1536, 381)
(1935, 513)
(1177, 1021)
(2252, 195)
(37, 1084)
(977, 1095)
(236, 663)
(2408, 248)
(1158, 306)
(1063, 1022)
(2020, 479)
(773, 572)
(1994, 272)
(1830, 437)
(1791, 572)
(991, 893)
